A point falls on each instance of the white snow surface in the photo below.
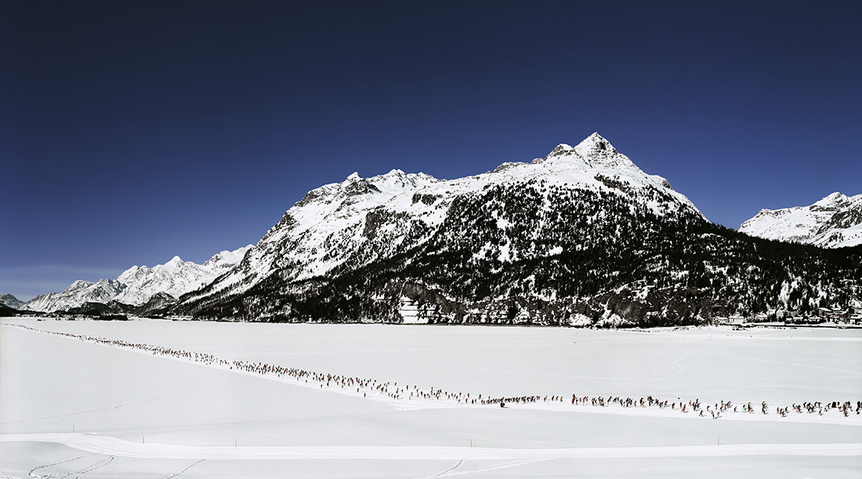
(74, 408)
(138, 284)
(329, 226)
(833, 222)
(117, 447)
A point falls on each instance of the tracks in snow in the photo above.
(396, 397)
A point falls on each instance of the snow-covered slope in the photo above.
(361, 220)
(138, 284)
(833, 222)
(176, 277)
(75, 295)
(11, 301)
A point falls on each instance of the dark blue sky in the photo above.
(131, 132)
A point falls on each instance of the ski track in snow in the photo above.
(676, 363)
(494, 467)
(444, 472)
(45, 466)
(115, 447)
(87, 469)
(175, 474)
(405, 404)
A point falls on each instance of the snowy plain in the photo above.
(73, 408)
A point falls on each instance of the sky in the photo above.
(131, 132)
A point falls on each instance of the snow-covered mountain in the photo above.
(833, 222)
(11, 301)
(581, 236)
(176, 277)
(138, 284)
(75, 295)
(363, 220)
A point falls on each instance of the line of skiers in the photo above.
(394, 391)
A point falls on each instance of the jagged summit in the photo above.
(595, 142)
(833, 200)
(593, 161)
(175, 261)
(593, 152)
(832, 222)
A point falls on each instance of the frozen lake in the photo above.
(71, 405)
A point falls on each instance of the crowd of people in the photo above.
(396, 392)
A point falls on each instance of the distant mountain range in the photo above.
(579, 237)
(833, 222)
(139, 285)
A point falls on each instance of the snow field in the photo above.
(129, 399)
(710, 364)
(117, 447)
(404, 397)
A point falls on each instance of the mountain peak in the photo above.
(595, 145)
(594, 139)
(833, 199)
(356, 185)
(561, 148)
(595, 153)
(227, 258)
(79, 284)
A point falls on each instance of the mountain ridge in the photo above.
(832, 222)
(332, 223)
(137, 286)
(579, 237)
